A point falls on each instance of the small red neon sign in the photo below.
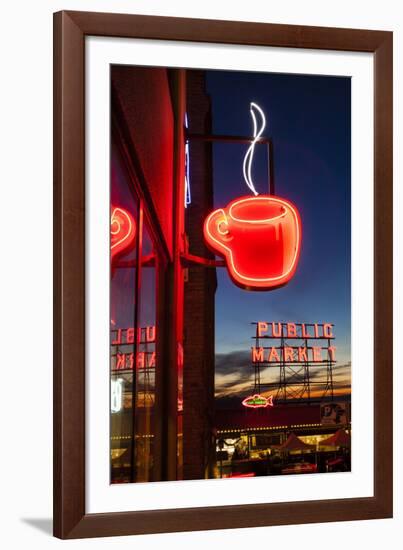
(123, 231)
(260, 239)
(258, 401)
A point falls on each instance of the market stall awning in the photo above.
(242, 418)
(339, 439)
(294, 443)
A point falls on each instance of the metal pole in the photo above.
(307, 366)
(270, 167)
(137, 282)
(331, 371)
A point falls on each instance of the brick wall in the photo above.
(198, 398)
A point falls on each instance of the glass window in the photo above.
(133, 332)
(146, 359)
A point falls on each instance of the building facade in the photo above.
(162, 306)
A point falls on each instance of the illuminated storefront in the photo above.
(284, 439)
(155, 370)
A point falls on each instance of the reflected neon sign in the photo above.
(123, 230)
(117, 395)
(145, 337)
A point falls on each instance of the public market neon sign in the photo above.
(287, 353)
(259, 237)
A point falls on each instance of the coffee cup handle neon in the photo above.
(216, 229)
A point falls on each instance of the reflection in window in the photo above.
(146, 360)
(133, 333)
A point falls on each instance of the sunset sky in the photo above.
(308, 118)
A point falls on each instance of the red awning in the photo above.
(339, 439)
(294, 443)
(282, 415)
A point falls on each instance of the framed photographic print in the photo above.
(223, 274)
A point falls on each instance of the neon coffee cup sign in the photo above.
(259, 237)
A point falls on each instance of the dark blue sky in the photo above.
(308, 118)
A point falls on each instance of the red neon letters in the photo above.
(292, 354)
(123, 231)
(260, 239)
(299, 331)
(258, 401)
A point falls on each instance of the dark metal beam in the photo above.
(189, 260)
(220, 138)
(226, 139)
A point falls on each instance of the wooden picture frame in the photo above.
(70, 517)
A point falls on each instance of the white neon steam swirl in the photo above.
(248, 159)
